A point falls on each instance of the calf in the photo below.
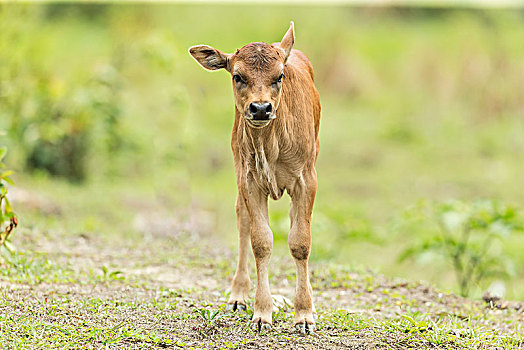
(275, 148)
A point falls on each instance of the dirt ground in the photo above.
(165, 286)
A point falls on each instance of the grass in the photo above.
(152, 289)
(115, 315)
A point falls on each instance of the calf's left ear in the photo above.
(209, 58)
(286, 44)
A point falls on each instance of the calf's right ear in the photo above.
(286, 44)
(210, 58)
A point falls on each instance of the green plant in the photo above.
(8, 219)
(468, 236)
(108, 275)
(415, 323)
(69, 122)
(209, 317)
(57, 122)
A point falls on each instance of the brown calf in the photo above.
(275, 147)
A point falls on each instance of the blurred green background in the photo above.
(102, 106)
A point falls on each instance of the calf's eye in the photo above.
(278, 81)
(237, 78)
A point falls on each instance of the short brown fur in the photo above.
(272, 157)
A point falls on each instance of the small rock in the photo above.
(490, 298)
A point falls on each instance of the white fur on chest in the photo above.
(264, 173)
(274, 164)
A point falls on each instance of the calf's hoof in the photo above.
(236, 305)
(259, 323)
(305, 328)
(305, 322)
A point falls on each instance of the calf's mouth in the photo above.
(259, 123)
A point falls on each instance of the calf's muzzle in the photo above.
(260, 111)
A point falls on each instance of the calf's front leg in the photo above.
(241, 281)
(262, 245)
(299, 242)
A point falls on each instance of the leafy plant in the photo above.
(415, 323)
(8, 219)
(209, 317)
(468, 236)
(108, 275)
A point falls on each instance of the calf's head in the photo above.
(257, 72)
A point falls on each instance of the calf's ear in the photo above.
(286, 44)
(209, 58)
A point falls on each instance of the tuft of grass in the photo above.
(35, 268)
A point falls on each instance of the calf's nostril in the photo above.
(253, 108)
(269, 108)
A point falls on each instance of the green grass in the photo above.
(118, 316)
(127, 288)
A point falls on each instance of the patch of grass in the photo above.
(422, 330)
(116, 313)
(58, 304)
(34, 268)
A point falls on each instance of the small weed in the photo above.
(108, 276)
(209, 317)
(416, 323)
